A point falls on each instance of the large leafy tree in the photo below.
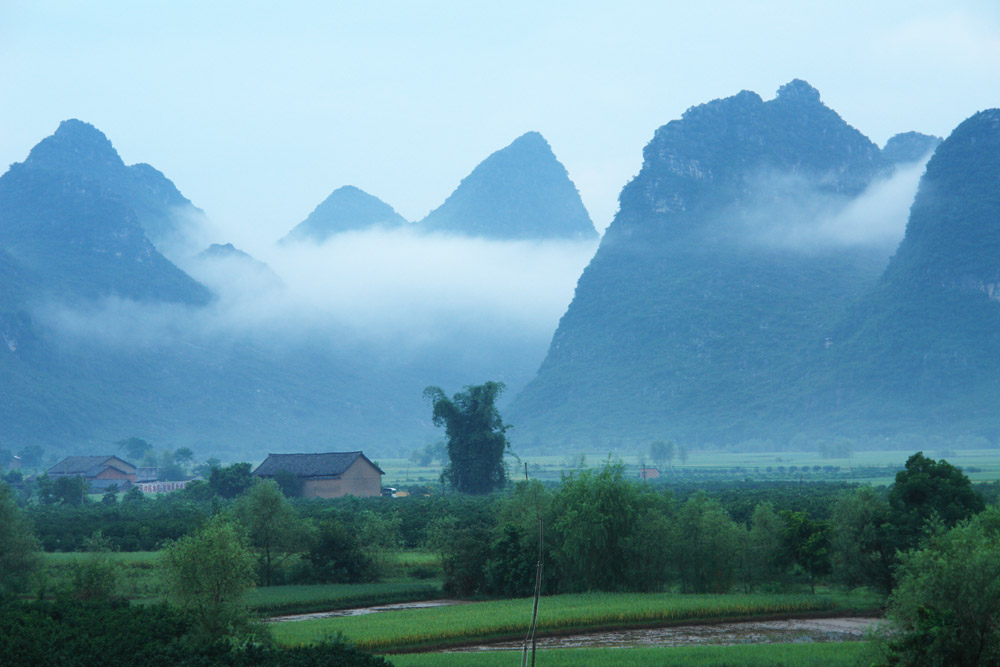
(275, 530)
(232, 480)
(946, 608)
(926, 488)
(135, 448)
(208, 573)
(476, 434)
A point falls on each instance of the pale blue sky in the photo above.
(258, 110)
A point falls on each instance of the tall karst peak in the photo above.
(519, 192)
(77, 217)
(79, 151)
(725, 153)
(933, 320)
(953, 235)
(702, 297)
(347, 209)
(75, 146)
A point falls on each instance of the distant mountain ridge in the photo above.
(346, 209)
(521, 192)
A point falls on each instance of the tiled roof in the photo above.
(329, 464)
(84, 465)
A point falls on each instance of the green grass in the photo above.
(277, 600)
(832, 654)
(508, 619)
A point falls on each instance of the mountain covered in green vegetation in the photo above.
(923, 345)
(521, 192)
(347, 209)
(708, 313)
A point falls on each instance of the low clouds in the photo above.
(381, 287)
(812, 222)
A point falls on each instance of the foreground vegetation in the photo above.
(231, 549)
(842, 654)
(508, 619)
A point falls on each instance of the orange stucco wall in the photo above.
(361, 479)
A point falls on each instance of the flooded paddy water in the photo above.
(794, 630)
(744, 632)
(361, 611)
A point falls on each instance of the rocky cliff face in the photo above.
(521, 192)
(346, 209)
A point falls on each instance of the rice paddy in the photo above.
(841, 654)
(508, 619)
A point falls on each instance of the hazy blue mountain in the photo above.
(229, 251)
(346, 209)
(81, 240)
(81, 150)
(224, 266)
(519, 192)
(923, 347)
(701, 310)
(165, 362)
(908, 147)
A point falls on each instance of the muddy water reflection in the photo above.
(755, 632)
(361, 611)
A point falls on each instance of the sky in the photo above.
(258, 110)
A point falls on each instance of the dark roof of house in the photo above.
(85, 465)
(330, 464)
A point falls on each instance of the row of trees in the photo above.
(606, 532)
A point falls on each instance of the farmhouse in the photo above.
(329, 475)
(100, 472)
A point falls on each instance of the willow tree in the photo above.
(476, 436)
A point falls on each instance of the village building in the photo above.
(649, 473)
(329, 475)
(100, 472)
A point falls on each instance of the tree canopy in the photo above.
(476, 434)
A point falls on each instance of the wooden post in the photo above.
(534, 612)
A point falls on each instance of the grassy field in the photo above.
(833, 654)
(508, 619)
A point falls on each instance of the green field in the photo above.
(508, 619)
(833, 654)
